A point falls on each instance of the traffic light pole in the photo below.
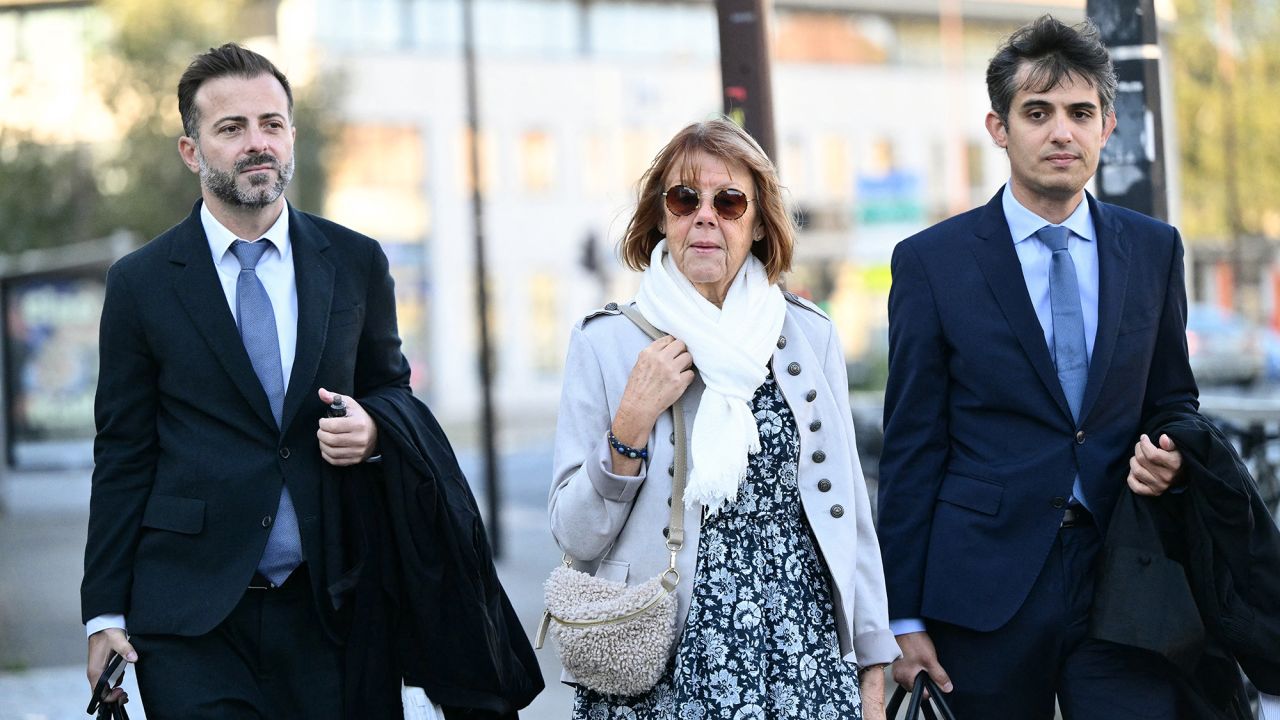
(744, 68)
(1131, 169)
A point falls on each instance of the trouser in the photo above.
(270, 658)
(1015, 672)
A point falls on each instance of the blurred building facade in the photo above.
(879, 109)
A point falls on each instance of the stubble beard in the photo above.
(260, 193)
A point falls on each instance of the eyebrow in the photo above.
(1037, 103)
(243, 119)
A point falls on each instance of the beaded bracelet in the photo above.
(627, 450)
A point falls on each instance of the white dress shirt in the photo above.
(275, 270)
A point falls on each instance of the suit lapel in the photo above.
(314, 276)
(200, 292)
(1113, 283)
(999, 263)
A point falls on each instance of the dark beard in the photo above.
(261, 193)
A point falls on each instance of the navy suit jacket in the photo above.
(980, 448)
(188, 460)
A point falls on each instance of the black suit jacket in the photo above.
(980, 447)
(188, 460)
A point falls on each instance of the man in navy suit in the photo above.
(223, 342)
(1028, 340)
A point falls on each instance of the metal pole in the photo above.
(1131, 170)
(489, 424)
(744, 68)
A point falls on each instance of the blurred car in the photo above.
(1224, 348)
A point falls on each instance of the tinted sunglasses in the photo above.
(683, 200)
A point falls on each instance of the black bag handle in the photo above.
(919, 704)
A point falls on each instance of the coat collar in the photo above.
(999, 263)
(200, 293)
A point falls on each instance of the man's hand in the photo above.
(101, 644)
(871, 687)
(1152, 469)
(346, 440)
(918, 654)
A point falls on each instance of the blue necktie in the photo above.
(1070, 354)
(257, 322)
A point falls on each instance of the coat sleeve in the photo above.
(873, 641)
(589, 504)
(916, 434)
(380, 365)
(1170, 385)
(125, 451)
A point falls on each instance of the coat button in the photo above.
(1058, 503)
(819, 456)
(611, 306)
(811, 396)
(837, 511)
(266, 521)
(815, 426)
(1080, 437)
(782, 341)
(824, 485)
(794, 368)
(668, 502)
(284, 453)
(666, 532)
(672, 439)
(671, 470)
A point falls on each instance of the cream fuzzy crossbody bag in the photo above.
(614, 638)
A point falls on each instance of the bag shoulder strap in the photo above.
(675, 529)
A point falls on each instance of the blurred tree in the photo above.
(1225, 64)
(48, 195)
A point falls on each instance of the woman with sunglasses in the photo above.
(782, 610)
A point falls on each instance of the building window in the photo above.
(537, 161)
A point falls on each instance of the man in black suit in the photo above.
(1029, 342)
(223, 341)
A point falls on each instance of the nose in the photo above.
(1061, 131)
(706, 213)
(255, 140)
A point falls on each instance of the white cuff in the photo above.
(102, 622)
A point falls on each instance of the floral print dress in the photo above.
(760, 640)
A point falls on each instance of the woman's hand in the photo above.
(871, 687)
(661, 374)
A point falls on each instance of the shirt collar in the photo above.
(1023, 223)
(220, 238)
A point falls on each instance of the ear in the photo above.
(1108, 126)
(996, 128)
(187, 149)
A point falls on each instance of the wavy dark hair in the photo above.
(1053, 51)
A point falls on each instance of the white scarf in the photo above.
(731, 347)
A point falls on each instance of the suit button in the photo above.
(811, 396)
(782, 341)
(815, 426)
(266, 521)
(284, 453)
(794, 368)
(671, 470)
(819, 456)
(1080, 437)
(824, 485)
(1058, 503)
(672, 439)
(837, 511)
(668, 502)
(666, 532)
(611, 306)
